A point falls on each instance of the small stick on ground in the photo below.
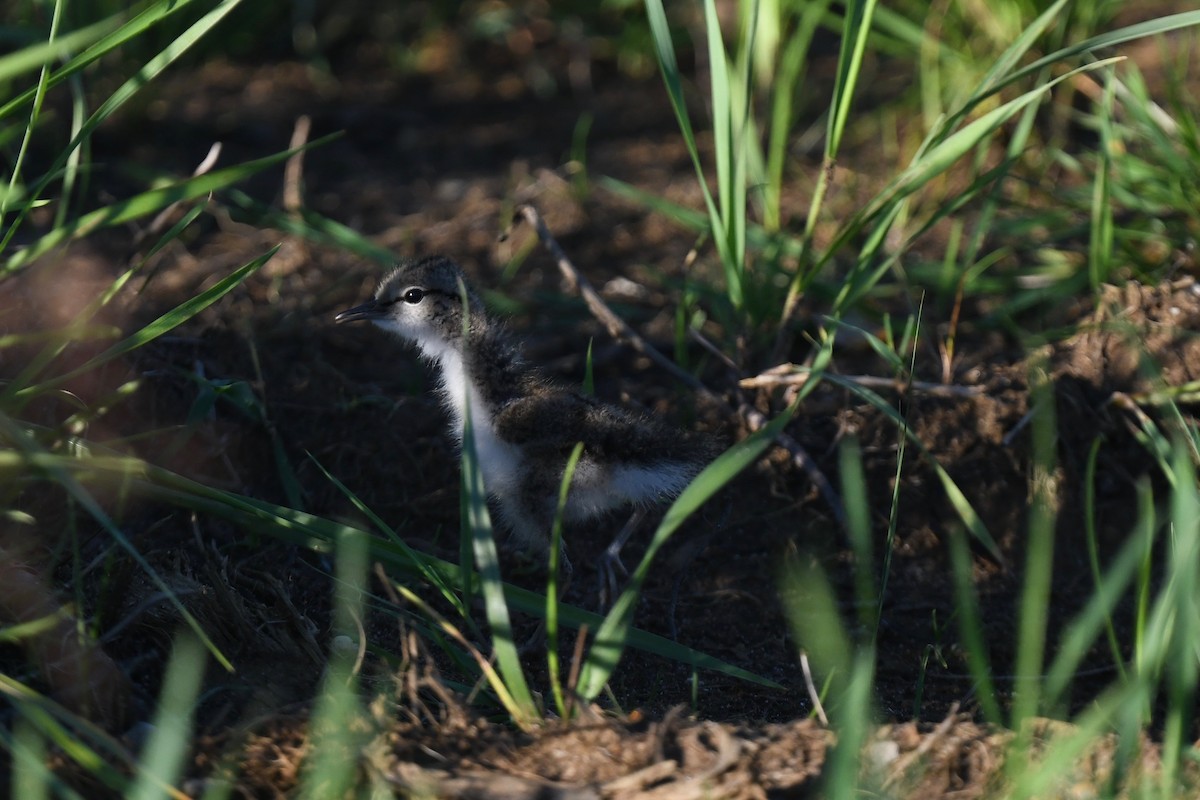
(167, 215)
(813, 694)
(784, 375)
(573, 672)
(620, 330)
(293, 171)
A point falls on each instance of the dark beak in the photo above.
(368, 310)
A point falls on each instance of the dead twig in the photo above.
(293, 171)
(813, 694)
(790, 375)
(620, 330)
(164, 217)
(573, 673)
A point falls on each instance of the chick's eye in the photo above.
(414, 296)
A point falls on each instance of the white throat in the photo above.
(455, 385)
(457, 388)
(498, 460)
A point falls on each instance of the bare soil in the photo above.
(434, 163)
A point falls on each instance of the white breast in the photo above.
(498, 460)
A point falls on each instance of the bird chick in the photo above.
(525, 426)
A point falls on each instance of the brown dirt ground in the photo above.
(433, 163)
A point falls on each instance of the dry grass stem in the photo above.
(784, 376)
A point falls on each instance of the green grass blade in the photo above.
(788, 77)
(664, 51)
(55, 48)
(1153, 27)
(487, 561)
(552, 665)
(811, 607)
(74, 169)
(1062, 752)
(931, 162)
(1029, 37)
(613, 634)
(109, 40)
(337, 727)
(730, 151)
(147, 203)
(945, 153)
(167, 322)
(589, 379)
(131, 87)
(858, 525)
(57, 470)
(681, 215)
(321, 535)
(1039, 557)
(173, 233)
(1093, 548)
(853, 724)
(970, 627)
(962, 506)
(30, 777)
(1017, 145)
(1147, 433)
(1082, 632)
(856, 30)
(313, 227)
(722, 111)
(890, 357)
(31, 128)
(1182, 670)
(756, 236)
(162, 761)
(1147, 517)
(1100, 240)
(434, 577)
(86, 744)
(61, 340)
